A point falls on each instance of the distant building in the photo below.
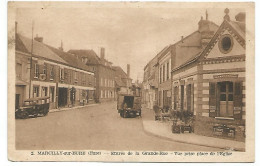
(45, 72)
(123, 82)
(104, 73)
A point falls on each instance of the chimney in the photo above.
(241, 17)
(39, 39)
(102, 53)
(128, 70)
(182, 39)
(61, 46)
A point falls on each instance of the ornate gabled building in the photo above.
(211, 84)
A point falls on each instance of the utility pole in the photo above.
(31, 61)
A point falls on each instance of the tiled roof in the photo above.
(39, 49)
(89, 54)
(120, 72)
(239, 27)
(70, 59)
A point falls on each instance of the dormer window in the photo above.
(225, 43)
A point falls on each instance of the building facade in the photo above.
(123, 82)
(211, 84)
(40, 71)
(104, 73)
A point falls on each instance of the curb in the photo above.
(70, 108)
(192, 143)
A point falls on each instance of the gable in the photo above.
(217, 50)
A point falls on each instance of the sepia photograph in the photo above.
(131, 81)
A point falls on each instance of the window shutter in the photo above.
(212, 100)
(238, 100)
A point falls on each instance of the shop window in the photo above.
(44, 91)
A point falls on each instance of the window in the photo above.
(61, 74)
(52, 73)
(44, 70)
(101, 93)
(190, 97)
(226, 99)
(19, 70)
(52, 94)
(225, 43)
(36, 71)
(160, 74)
(35, 91)
(163, 73)
(76, 76)
(167, 70)
(44, 91)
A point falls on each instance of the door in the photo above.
(226, 104)
(17, 100)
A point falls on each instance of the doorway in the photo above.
(62, 98)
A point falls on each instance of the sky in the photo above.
(130, 35)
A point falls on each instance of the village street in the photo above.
(97, 127)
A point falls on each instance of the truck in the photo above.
(129, 106)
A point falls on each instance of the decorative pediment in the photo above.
(225, 45)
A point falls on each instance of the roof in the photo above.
(190, 47)
(89, 54)
(238, 28)
(120, 72)
(24, 44)
(71, 59)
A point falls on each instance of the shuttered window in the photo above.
(212, 100)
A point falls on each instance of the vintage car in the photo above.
(33, 107)
(129, 105)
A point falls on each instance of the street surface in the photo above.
(97, 127)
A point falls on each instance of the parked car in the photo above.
(33, 107)
(129, 105)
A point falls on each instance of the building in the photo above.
(123, 82)
(40, 71)
(150, 82)
(104, 73)
(211, 83)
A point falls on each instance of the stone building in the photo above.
(211, 82)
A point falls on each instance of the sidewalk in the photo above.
(69, 108)
(163, 130)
